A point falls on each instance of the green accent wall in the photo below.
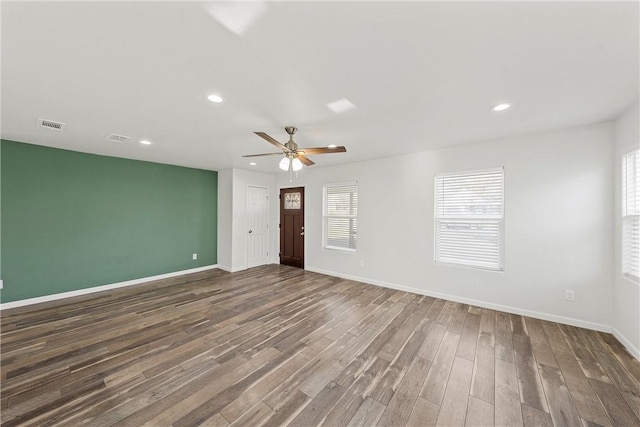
(72, 220)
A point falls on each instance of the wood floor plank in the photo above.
(483, 380)
(458, 318)
(349, 404)
(519, 326)
(543, 353)
(469, 337)
(399, 408)
(453, 409)
(387, 387)
(435, 384)
(508, 410)
(317, 409)
(256, 416)
(289, 386)
(479, 413)
(631, 364)
(531, 392)
(533, 417)
(368, 414)
(288, 410)
(586, 359)
(213, 348)
(586, 401)
(616, 371)
(617, 408)
(488, 321)
(563, 411)
(253, 395)
(555, 338)
(216, 420)
(194, 394)
(431, 344)
(504, 340)
(424, 414)
(535, 329)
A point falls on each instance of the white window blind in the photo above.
(631, 214)
(341, 216)
(469, 218)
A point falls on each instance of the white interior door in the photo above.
(257, 226)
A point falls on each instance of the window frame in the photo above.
(326, 217)
(627, 218)
(499, 219)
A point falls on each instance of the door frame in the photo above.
(246, 224)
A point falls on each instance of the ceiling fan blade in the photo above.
(323, 150)
(307, 161)
(272, 141)
(264, 154)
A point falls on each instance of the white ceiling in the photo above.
(422, 75)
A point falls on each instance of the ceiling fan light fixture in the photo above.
(296, 164)
(284, 164)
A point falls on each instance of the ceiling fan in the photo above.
(294, 157)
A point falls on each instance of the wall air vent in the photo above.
(114, 137)
(50, 124)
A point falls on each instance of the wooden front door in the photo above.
(292, 226)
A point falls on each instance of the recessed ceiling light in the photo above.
(253, 163)
(215, 98)
(331, 146)
(145, 142)
(340, 106)
(500, 107)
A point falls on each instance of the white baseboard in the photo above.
(229, 269)
(485, 304)
(635, 352)
(94, 289)
(225, 268)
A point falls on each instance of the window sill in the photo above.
(470, 267)
(338, 249)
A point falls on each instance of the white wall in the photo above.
(626, 293)
(558, 224)
(225, 218)
(232, 220)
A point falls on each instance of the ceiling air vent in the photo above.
(50, 124)
(114, 137)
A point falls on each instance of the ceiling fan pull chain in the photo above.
(290, 171)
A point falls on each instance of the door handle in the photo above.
(250, 231)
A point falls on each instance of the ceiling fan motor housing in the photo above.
(291, 129)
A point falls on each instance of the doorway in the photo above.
(292, 226)
(257, 226)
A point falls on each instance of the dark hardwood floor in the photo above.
(277, 345)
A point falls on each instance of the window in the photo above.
(469, 218)
(631, 214)
(340, 216)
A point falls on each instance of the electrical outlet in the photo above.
(569, 295)
(1, 284)
(194, 256)
(361, 263)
